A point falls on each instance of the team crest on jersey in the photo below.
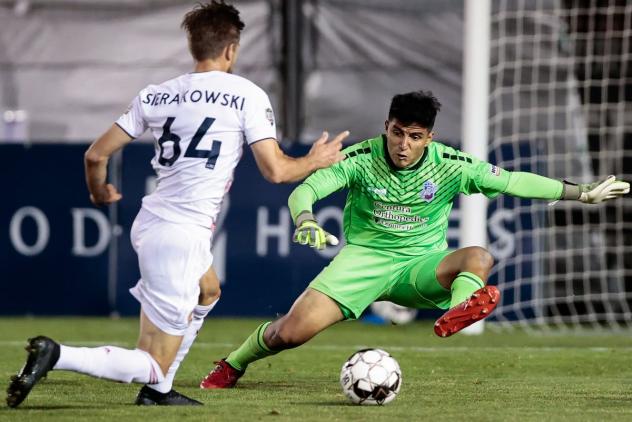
(428, 191)
(270, 116)
(495, 170)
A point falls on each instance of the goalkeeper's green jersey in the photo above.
(404, 211)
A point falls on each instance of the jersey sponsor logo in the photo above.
(396, 226)
(397, 217)
(495, 170)
(392, 207)
(429, 190)
(378, 191)
(270, 116)
(388, 215)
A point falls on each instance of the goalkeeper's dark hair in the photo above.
(418, 107)
(211, 27)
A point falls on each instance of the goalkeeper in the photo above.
(401, 189)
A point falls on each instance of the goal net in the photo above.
(561, 106)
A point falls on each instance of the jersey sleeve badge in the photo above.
(270, 116)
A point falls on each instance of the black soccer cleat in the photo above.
(43, 355)
(150, 397)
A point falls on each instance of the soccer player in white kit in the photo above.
(200, 121)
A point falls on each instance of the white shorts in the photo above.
(172, 259)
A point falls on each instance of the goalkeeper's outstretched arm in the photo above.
(533, 186)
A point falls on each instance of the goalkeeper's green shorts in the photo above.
(359, 276)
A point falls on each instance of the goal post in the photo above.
(473, 209)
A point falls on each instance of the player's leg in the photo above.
(146, 364)
(160, 345)
(310, 314)
(447, 280)
(209, 295)
(350, 283)
(172, 260)
(464, 271)
(175, 275)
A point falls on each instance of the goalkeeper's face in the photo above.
(406, 142)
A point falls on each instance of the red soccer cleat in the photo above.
(222, 376)
(478, 306)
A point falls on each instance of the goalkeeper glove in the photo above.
(594, 193)
(308, 232)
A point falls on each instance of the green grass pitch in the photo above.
(493, 377)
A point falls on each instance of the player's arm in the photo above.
(260, 133)
(491, 180)
(129, 126)
(96, 165)
(318, 186)
(533, 186)
(277, 167)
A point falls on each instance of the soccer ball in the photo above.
(371, 376)
(393, 313)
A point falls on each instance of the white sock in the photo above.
(110, 362)
(199, 313)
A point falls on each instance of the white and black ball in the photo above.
(371, 376)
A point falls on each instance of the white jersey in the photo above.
(200, 122)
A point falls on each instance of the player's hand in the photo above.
(105, 195)
(323, 153)
(603, 190)
(308, 232)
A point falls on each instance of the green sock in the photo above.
(253, 349)
(463, 286)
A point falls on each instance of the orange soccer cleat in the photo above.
(478, 306)
(222, 376)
